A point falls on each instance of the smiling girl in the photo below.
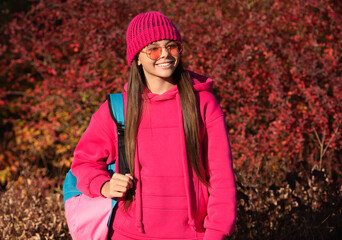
(181, 182)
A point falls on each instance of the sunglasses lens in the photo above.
(154, 52)
(174, 49)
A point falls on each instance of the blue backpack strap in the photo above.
(116, 107)
(111, 169)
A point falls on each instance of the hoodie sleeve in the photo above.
(93, 152)
(221, 210)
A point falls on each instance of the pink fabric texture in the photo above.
(170, 202)
(146, 28)
(87, 217)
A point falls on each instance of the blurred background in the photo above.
(277, 67)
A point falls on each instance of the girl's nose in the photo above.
(165, 53)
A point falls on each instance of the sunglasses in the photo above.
(154, 52)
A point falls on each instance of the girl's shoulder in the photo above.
(103, 111)
(103, 120)
(208, 104)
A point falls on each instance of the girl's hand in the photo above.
(117, 186)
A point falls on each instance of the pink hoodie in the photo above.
(170, 201)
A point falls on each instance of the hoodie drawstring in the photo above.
(138, 203)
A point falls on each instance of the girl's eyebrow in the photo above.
(153, 44)
(170, 41)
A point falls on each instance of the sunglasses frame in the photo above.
(165, 46)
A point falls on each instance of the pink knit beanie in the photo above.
(147, 28)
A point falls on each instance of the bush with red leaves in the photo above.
(277, 68)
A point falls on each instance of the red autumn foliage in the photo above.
(277, 67)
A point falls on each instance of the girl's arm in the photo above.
(96, 149)
(221, 210)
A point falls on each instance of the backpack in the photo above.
(92, 217)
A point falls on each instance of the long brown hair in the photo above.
(135, 91)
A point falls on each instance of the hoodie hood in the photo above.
(200, 82)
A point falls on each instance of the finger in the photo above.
(123, 180)
(121, 177)
(129, 175)
(117, 195)
(130, 180)
(121, 183)
(118, 185)
(119, 189)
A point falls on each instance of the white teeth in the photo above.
(164, 64)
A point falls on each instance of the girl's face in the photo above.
(160, 59)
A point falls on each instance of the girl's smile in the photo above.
(165, 65)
